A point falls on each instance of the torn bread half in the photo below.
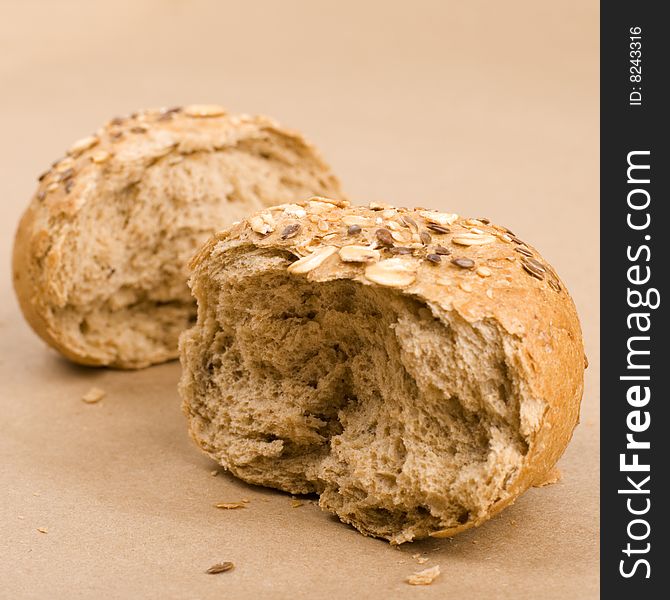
(100, 254)
(416, 369)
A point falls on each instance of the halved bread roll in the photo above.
(415, 369)
(100, 254)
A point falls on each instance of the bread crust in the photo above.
(120, 152)
(472, 267)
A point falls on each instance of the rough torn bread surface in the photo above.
(100, 254)
(418, 390)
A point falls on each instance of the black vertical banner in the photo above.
(635, 169)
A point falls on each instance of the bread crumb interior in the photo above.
(403, 424)
(119, 289)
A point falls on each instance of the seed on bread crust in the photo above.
(533, 269)
(438, 228)
(318, 208)
(392, 272)
(64, 165)
(438, 218)
(259, 225)
(83, 144)
(355, 220)
(401, 236)
(100, 157)
(409, 222)
(63, 172)
(379, 206)
(331, 201)
(204, 110)
(292, 210)
(401, 250)
(473, 239)
(290, 231)
(358, 254)
(384, 237)
(311, 261)
(464, 263)
(326, 204)
(536, 263)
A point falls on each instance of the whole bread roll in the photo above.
(100, 254)
(416, 369)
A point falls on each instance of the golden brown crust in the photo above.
(119, 153)
(470, 266)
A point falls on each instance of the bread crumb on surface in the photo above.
(95, 394)
(425, 577)
(554, 476)
(295, 503)
(42, 530)
(220, 568)
(232, 505)
(214, 473)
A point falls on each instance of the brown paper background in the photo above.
(481, 108)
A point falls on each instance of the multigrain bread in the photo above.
(415, 369)
(100, 254)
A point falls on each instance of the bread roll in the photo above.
(416, 369)
(100, 254)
